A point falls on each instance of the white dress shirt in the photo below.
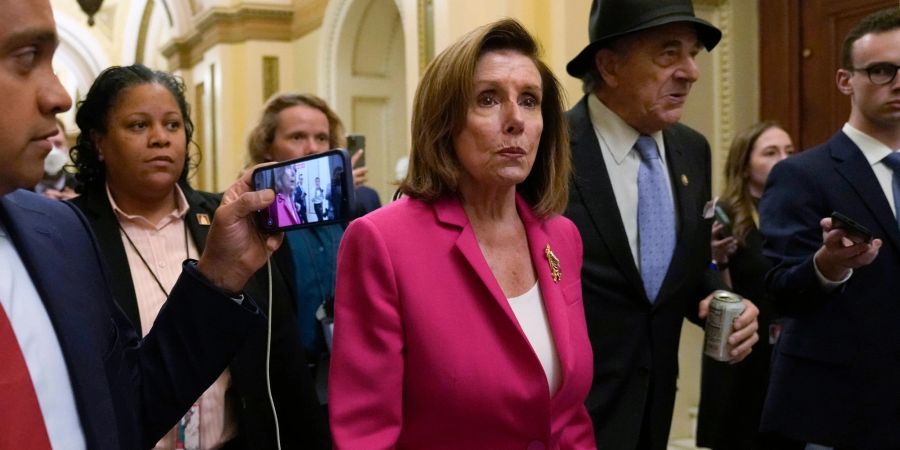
(40, 347)
(875, 151)
(623, 162)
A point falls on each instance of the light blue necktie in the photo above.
(656, 217)
(893, 161)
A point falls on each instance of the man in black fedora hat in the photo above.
(640, 184)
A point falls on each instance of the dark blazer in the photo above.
(837, 363)
(302, 422)
(128, 391)
(635, 343)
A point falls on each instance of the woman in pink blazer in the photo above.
(459, 321)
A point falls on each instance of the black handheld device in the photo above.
(722, 218)
(855, 232)
(310, 191)
(355, 143)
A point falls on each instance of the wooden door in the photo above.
(800, 46)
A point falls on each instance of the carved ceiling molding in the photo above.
(229, 25)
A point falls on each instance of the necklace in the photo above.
(147, 265)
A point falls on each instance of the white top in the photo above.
(40, 347)
(532, 316)
(617, 140)
(875, 151)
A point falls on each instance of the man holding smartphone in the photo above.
(837, 362)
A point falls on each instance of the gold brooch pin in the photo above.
(203, 219)
(684, 179)
(554, 264)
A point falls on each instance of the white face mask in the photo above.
(55, 161)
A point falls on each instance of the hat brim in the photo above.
(708, 34)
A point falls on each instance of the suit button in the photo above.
(536, 445)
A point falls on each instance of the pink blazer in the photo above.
(427, 352)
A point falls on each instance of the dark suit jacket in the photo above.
(635, 343)
(836, 370)
(302, 422)
(128, 391)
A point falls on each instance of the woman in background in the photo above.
(293, 126)
(132, 158)
(459, 321)
(732, 396)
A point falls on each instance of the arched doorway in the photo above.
(363, 50)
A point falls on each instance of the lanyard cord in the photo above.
(152, 273)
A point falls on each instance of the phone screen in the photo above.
(355, 142)
(310, 191)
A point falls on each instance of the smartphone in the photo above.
(855, 232)
(722, 218)
(310, 191)
(355, 143)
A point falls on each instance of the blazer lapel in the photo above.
(685, 195)
(592, 182)
(855, 168)
(95, 205)
(554, 301)
(450, 211)
(37, 240)
(198, 206)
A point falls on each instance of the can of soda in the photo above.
(724, 308)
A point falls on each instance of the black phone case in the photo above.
(852, 228)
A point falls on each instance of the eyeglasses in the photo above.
(880, 73)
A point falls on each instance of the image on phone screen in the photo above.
(311, 191)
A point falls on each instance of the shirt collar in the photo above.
(873, 149)
(618, 135)
(178, 213)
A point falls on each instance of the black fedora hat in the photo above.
(613, 18)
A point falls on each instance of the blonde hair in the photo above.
(263, 134)
(736, 197)
(439, 113)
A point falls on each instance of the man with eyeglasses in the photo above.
(836, 372)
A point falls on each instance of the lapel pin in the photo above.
(203, 219)
(684, 180)
(554, 264)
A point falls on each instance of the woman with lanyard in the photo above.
(293, 126)
(132, 158)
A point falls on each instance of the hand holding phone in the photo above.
(355, 143)
(857, 233)
(309, 191)
(722, 218)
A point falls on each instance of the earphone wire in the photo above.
(269, 359)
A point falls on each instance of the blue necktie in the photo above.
(893, 161)
(656, 217)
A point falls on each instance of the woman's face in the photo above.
(144, 145)
(288, 179)
(301, 131)
(772, 146)
(499, 140)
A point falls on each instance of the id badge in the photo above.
(188, 434)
